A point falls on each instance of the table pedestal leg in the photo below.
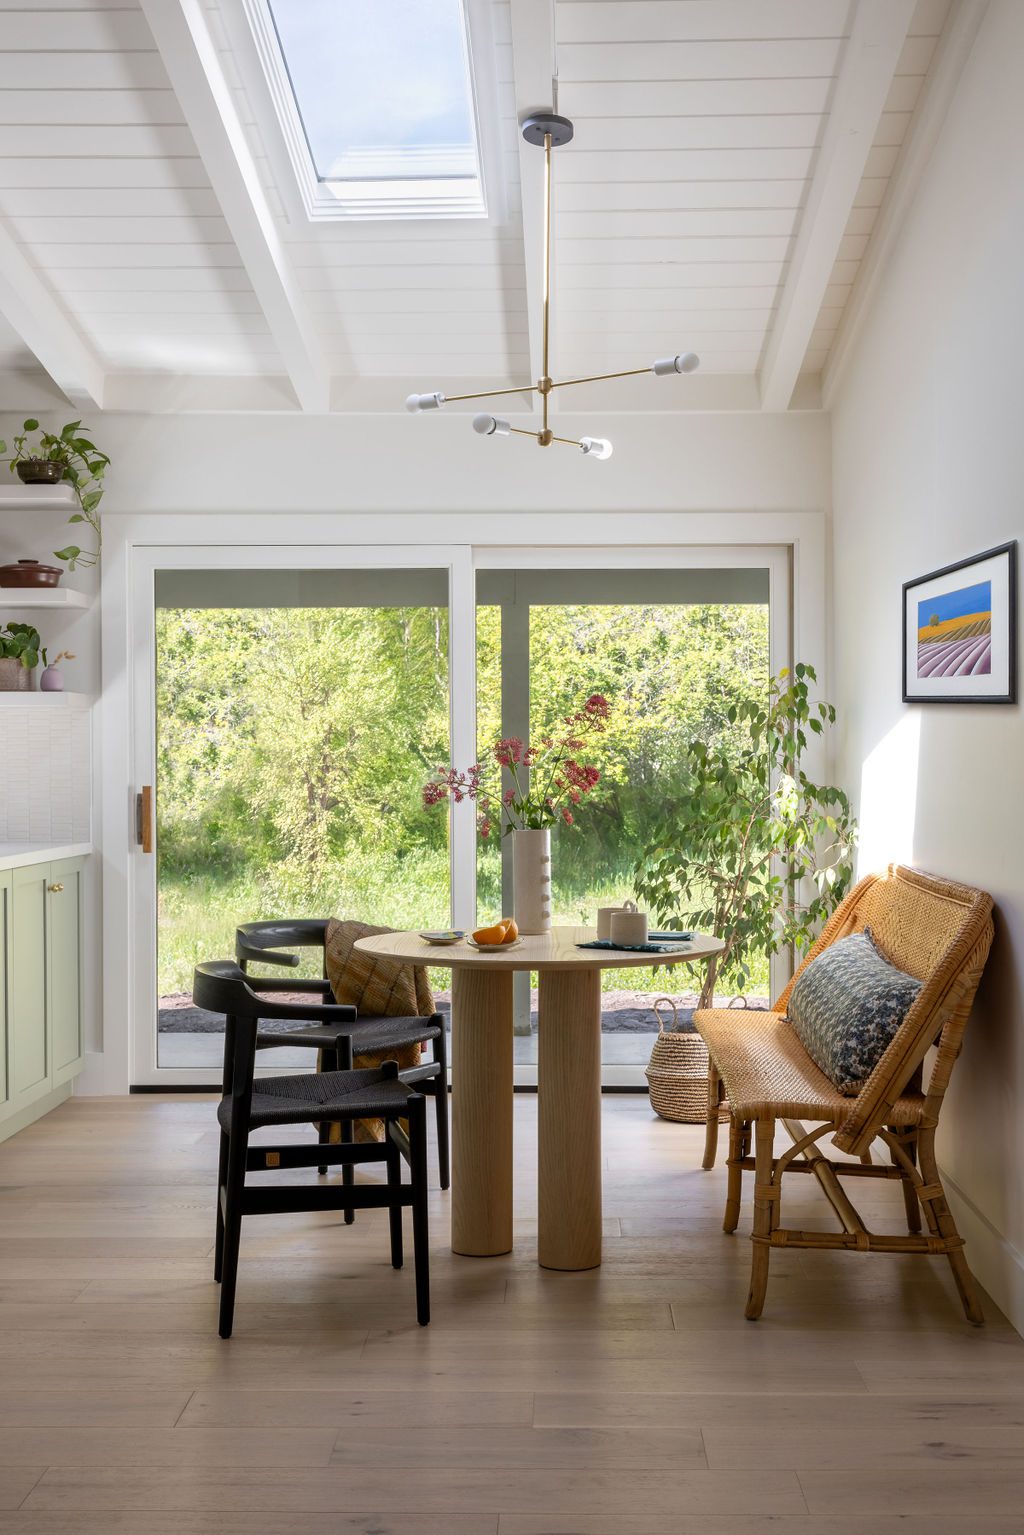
(569, 1127)
(481, 1112)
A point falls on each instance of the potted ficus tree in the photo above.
(749, 847)
(19, 655)
(70, 457)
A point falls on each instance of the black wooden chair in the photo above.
(219, 986)
(264, 942)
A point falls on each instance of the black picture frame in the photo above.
(1009, 552)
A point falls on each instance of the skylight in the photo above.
(376, 98)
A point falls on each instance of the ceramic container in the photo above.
(29, 573)
(629, 926)
(531, 880)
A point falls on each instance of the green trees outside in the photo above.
(293, 744)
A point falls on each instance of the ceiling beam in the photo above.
(533, 66)
(190, 57)
(869, 61)
(33, 310)
(940, 85)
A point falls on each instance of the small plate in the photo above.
(494, 948)
(443, 938)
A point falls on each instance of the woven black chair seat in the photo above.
(322, 1096)
(367, 1034)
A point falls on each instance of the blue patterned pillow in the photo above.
(847, 1006)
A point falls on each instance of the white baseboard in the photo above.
(994, 1261)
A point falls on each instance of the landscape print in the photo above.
(954, 633)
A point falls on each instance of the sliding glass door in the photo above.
(294, 716)
(289, 705)
(671, 649)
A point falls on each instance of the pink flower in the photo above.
(567, 817)
(485, 827)
(508, 796)
(508, 750)
(598, 706)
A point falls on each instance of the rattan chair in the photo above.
(934, 929)
(341, 1047)
(219, 986)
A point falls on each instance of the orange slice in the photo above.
(511, 930)
(495, 934)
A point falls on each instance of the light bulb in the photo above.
(686, 362)
(491, 426)
(418, 402)
(596, 447)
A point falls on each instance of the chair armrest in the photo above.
(246, 952)
(262, 983)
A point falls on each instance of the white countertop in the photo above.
(15, 855)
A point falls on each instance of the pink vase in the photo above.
(52, 680)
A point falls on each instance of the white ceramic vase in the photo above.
(531, 880)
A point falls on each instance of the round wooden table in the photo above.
(569, 1085)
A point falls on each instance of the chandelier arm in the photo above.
(491, 394)
(596, 378)
(521, 431)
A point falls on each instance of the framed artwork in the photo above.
(960, 632)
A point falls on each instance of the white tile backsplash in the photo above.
(45, 770)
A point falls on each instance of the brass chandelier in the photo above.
(548, 131)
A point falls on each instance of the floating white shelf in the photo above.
(43, 597)
(21, 497)
(44, 700)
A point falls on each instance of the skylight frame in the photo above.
(337, 201)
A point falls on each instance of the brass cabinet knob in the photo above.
(55, 889)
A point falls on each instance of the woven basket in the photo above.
(677, 1074)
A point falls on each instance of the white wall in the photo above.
(928, 468)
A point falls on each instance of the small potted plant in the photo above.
(19, 653)
(65, 456)
(51, 679)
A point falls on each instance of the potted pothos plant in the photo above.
(71, 457)
(19, 655)
(748, 846)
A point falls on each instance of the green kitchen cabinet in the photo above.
(64, 968)
(41, 912)
(30, 1045)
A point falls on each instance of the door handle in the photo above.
(144, 818)
(55, 889)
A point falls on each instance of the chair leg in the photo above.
(910, 1199)
(222, 1173)
(234, 1187)
(734, 1192)
(420, 1233)
(325, 1061)
(441, 1102)
(946, 1227)
(348, 1172)
(394, 1171)
(711, 1127)
(346, 1135)
(765, 1215)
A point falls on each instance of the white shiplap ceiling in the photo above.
(153, 252)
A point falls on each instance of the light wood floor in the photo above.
(632, 1400)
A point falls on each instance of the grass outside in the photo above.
(199, 911)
